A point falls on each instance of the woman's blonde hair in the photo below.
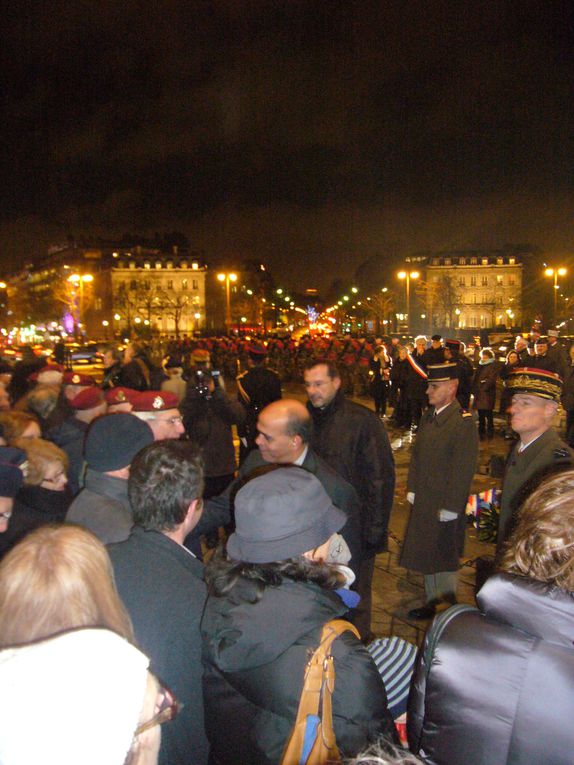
(14, 424)
(542, 544)
(58, 578)
(41, 454)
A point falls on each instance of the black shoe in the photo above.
(424, 612)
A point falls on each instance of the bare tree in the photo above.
(381, 306)
(174, 304)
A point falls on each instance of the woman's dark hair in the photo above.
(222, 574)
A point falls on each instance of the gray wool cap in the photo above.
(281, 515)
(113, 440)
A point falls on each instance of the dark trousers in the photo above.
(485, 422)
(363, 585)
(570, 427)
(379, 391)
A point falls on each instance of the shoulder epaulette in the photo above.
(561, 453)
(464, 413)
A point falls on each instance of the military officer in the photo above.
(440, 473)
(535, 397)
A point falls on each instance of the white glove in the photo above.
(447, 515)
(411, 497)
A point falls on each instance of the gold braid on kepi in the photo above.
(535, 382)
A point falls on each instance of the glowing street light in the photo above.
(407, 276)
(227, 278)
(78, 280)
(555, 272)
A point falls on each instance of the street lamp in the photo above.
(227, 278)
(407, 276)
(555, 272)
(78, 280)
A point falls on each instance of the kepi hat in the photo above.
(442, 372)
(535, 382)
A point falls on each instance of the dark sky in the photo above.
(310, 134)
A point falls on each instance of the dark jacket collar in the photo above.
(107, 485)
(319, 413)
(540, 610)
(157, 540)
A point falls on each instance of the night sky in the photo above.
(312, 135)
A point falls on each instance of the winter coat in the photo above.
(441, 470)
(162, 587)
(353, 441)
(524, 471)
(499, 688)
(255, 654)
(484, 385)
(207, 420)
(103, 507)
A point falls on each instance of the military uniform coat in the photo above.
(525, 470)
(440, 473)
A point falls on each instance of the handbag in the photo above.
(312, 740)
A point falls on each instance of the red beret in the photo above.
(48, 368)
(120, 395)
(76, 378)
(88, 398)
(200, 355)
(155, 401)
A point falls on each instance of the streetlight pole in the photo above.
(227, 278)
(407, 276)
(78, 280)
(555, 272)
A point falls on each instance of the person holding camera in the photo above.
(208, 415)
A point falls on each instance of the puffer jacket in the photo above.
(500, 688)
(254, 657)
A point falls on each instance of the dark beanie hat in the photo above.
(113, 440)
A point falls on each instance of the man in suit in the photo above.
(535, 397)
(284, 429)
(161, 585)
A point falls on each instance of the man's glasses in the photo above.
(169, 708)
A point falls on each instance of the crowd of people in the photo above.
(116, 616)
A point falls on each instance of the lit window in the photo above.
(158, 264)
(485, 281)
(473, 281)
(147, 265)
(195, 284)
(184, 284)
(499, 280)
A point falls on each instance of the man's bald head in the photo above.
(284, 431)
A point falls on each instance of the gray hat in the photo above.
(114, 440)
(281, 515)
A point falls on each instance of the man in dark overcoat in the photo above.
(440, 473)
(161, 585)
